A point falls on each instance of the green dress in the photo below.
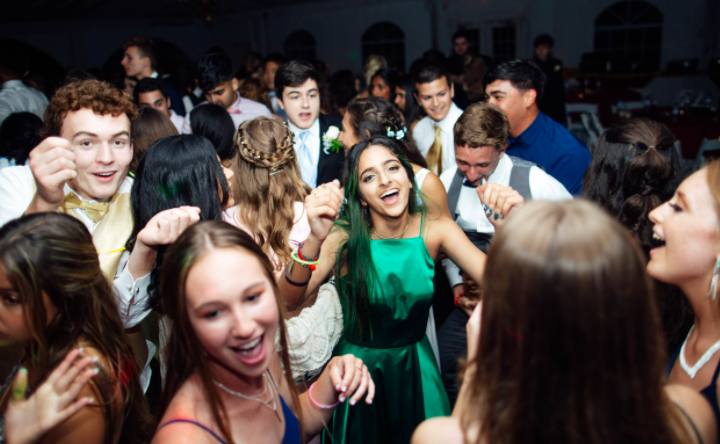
(397, 351)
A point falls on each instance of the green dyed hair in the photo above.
(354, 255)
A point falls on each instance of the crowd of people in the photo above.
(282, 254)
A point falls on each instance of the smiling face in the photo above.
(301, 103)
(224, 94)
(383, 182)
(476, 163)
(688, 223)
(436, 98)
(103, 152)
(154, 99)
(514, 102)
(379, 88)
(135, 65)
(232, 309)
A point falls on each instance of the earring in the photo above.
(714, 282)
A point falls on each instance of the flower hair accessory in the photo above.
(396, 135)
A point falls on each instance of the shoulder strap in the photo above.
(454, 192)
(520, 177)
(692, 424)
(215, 435)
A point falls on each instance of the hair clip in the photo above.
(275, 171)
(243, 142)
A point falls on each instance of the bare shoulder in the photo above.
(183, 433)
(442, 429)
(435, 192)
(185, 405)
(697, 408)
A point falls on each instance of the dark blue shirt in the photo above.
(549, 144)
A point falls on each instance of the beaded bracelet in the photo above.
(307, 264)
(457, 296)
(317, 404)
(302, 256)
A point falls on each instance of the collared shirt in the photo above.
(312, 143)
(545, 142)
(15, 97)
(469, 213)
(424, 135)
(248, 110)
(176, 120)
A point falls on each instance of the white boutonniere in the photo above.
(330, 140)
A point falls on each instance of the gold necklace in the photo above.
(394, 237)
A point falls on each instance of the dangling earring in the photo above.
(714, 282)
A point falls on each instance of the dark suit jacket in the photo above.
(329, 165)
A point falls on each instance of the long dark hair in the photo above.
(52, 254)
(412, 108)
(391, 79)
(176, 171)
(354, 256)
(566, 295)
(215, 124)
(634, 169)
(373, 116)
(184, 351)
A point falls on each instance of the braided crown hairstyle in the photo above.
(268, 182)
(372, 116)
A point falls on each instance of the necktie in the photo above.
(434, 156)
(94, 210)
(307, 165)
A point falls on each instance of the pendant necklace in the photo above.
(692, 371)
(254, 398)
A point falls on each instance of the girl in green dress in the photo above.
(382, 251)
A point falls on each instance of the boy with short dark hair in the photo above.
(297, 85)
(152, 93)
(214, 75)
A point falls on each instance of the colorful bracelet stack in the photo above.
(301, 259)
(458, 296)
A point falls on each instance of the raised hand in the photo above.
(52, 164)
(498, 201)
(351, 379)
(53, 402)
(166, 226)
(323, 208)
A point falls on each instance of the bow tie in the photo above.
(94, 210)
(466, 183)
(234, 111)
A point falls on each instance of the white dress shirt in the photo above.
(470, 215)
(17, 189)
(240, 111)
(177, 120)
(312, 143)
(424, 135)
(15, 97)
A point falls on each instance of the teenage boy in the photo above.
(215, 78)
(80, 169)
(517, 87)
(433, 134)
(140, 62)
(152, 93)
(297, 84)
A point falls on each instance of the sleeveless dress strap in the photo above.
(188, 421)
(692, 424)
(291, 422)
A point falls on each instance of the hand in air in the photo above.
(52, 164)
(351, 378)
(323, 208)
(166, 226)
(53, 402)
(498, 202)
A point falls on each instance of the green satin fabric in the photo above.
(397, 352)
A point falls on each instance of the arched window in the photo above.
(630, 33)
(300, 45)
(387, 40)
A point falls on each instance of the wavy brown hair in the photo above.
(268, 182)
(53, 254)
(184, 351)
(151, 125)
(570, 349)
(99, 96)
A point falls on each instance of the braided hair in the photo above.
(373, 116)
(269, 184)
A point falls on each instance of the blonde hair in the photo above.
(373, 64)
(269, 184)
